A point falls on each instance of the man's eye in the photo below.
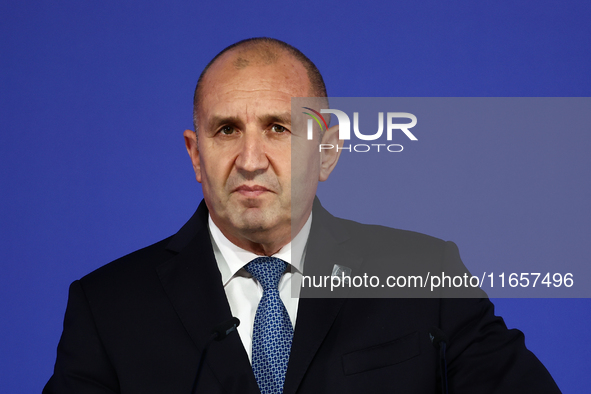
(227, 130)
(278, 128)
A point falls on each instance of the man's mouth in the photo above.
(251, 191)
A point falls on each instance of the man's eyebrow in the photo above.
(217, 121)
(284, 118)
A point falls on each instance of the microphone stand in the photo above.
(219, 333)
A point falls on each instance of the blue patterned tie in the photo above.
(273, 332)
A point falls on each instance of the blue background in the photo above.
(95, 96)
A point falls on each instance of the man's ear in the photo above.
(330, 156)
(193, 150)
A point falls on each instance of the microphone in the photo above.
(439, 340)
(219, 333)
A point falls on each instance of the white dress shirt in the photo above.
(243, 291)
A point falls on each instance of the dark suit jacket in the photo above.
(139, 324)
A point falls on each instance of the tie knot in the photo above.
(267, 270)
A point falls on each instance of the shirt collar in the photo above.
(231, 258)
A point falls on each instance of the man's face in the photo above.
(244, 145)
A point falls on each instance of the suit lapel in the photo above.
(193, 284)
(327, 245)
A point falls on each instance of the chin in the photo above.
(258, 221)
(254, 222)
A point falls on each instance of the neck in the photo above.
(264, 243)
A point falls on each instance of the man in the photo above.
(142, 323)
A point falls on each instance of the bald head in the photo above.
(260, 52)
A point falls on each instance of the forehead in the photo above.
(236, 82)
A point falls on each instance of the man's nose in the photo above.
(252, 156)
